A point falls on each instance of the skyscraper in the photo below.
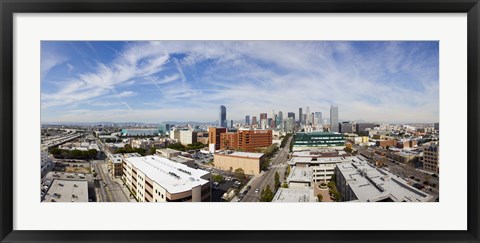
(291, 114)
(318, 118)
(223, 116)
(300, 115)
(334, 118)
(254, 120)
(247, 120)
(308, 120)
(263, 116)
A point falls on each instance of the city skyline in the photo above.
(188, 80)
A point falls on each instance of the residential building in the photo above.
(158, 179)
(188, 137)
(246, 140)
(214, 137)
(430, 159)
(248, 162)
(114, 162)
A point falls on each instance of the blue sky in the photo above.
(155, 81)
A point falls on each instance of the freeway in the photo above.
(278, 164)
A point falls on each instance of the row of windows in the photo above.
(158, 193)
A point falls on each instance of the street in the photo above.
(107, 190)
(278, 164)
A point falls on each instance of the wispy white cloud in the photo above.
(379, 81)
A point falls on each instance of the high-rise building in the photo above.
(300, 115)
(254, 120)
(346, 127)
(231, 123)
(334, 118)
(308, 118)
(263, 116)
(318, 118)
(278, 120)
(223, 116)
(271, 122)
(214, 137)
(163, 128)
(247, 120)
(290, 124)
(360, 128)
(280, 117)
(291, 114)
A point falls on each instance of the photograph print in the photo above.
(239, 121)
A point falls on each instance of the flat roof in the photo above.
(174, 177)
(67, 191)
(294, 195)
(243, 154)
(300, 174)
(370, 183)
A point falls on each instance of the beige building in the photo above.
(430, 159)
(248, 162)
(188, 137)
(158, 179)
(168, 153)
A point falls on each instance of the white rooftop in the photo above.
(67, 191)
(374, 184)
(172, 176)
(294, 195)
(300, 174)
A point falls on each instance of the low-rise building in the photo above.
(248, 162)
(168, 153)
(158, 179)
(302, 141)
(114, 162)
(322, 162)
(67, 191)
(360, 181)
(430, 158)
(300, 177)
(295, 195)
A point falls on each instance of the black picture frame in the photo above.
(9, 7)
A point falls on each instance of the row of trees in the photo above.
(128, 149)
(181, 147)
(285, 139)
(73, 154)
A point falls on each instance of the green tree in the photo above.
(320, 197)
(239, 173)
(266, 195)
(277, 181)
(217, 178)
(153, 150)
(284, 185)
(127, 147)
